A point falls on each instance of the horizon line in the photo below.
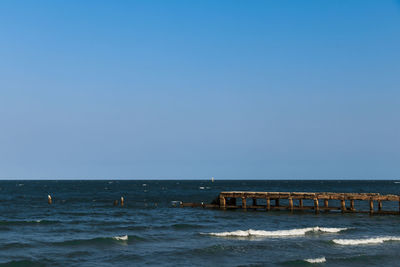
(188, 179)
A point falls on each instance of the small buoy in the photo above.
(115, 202)
(212, 179)
(122, 201)
(49, 200)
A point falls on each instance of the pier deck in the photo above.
(295, 201)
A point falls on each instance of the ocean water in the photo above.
(83, 228)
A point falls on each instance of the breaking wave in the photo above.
(277, 233)
(316, 260)
(365, 241)
(121, 238)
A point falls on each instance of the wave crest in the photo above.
(277, 233)
(121, 238)
(365, 241)
(316, 260)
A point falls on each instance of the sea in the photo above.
(83, 227)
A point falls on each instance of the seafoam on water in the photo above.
(121, 238)
(365, 241)
(278, 233)
(316, 260)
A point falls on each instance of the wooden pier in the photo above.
(295, 201)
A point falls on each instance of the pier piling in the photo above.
(301, 203)
(316, 205)
(352, 205)
(371, 206)
(343, 205)
(269, 204)
(326, 204)
(222, 201)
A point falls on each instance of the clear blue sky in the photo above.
(194, 89)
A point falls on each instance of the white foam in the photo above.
(121, 238)
(316, 260)
(365, 241)
(278, 233)
(201, 187)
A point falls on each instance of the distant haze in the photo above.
(195, 89)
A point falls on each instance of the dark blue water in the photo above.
(83, 228)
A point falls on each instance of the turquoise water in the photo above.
(83, 228)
